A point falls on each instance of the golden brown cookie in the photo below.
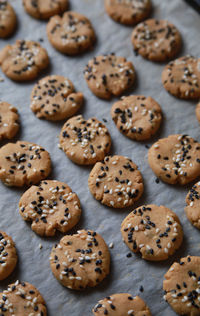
(80, 260)
(175, 159)
(8, 19)
(41, 9)
(198, 111)
(8, 255)
(192, 209)
(9, 121)
(116, 182)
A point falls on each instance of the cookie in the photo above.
(120, 305)
(23, 163)
(182, 288)
(23, 60)
(137, 117)
(81, 260)
(22, 298)
(41, 9)
(198, 111)
(71, 34)
(153, 231)
(85, 141)
(116, 182)
(175, 159)
(192, 209)
(8, 255)
(156, 40)
(109, 75)
(53, 98)
(49, 207)
(9, 121)
(128, 12)
(8, 19)
(181, 77)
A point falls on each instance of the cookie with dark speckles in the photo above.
(197, 111)
(8, 255)
(9, 121)
(8, 19)
(192, 209)
(41, 9)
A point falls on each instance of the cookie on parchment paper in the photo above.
(8, 255)
(41, 9)
(8, 20)
(9, 121)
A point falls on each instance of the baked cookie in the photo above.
(182, 288)
(23, 163)
(41, 9)
(175, 159)
(8, 255)
(156, 40)
(109, 75)
(50, 206)
(23, 60)
(8, 19)
(154, 231)
(80, 260)
(85, 141)
(116, 182)
(181, 77)
(137, 117)
(120, 305)
(198, 111)
(22, 298)
(71, 34)
(9, 121)
(128, 12)
(53, 98)
(192, 209)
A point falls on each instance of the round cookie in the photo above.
(41, 9)
(85, 141)
(8, 255)
(22, 298)
(120, 305)
(137, 117)
(116, 182)
(109, 75)
(192, 209)
(23, 163)
(50, 206)
(53, 98)
(154, 231)
(156, 40)
(8, 19)
(128, 12)
(9, 121)
(71, 34)
(198, 112)
(80, 260)
(175, 159)
(23, 60)
(181, 77)
(182, 286)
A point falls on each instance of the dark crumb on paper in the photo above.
(157, 180)
(105, 121)
(41, 40)
(141, 289)
(129, 255)
(147, 146)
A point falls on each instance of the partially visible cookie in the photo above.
(8, 19)
(80, 260)
(120, 305)
(116, 182)
(9, 121)
(109, 75)
(198, 111)
(137, 117)
(181, 77)
(23, 163)
(156, 40)
(53, 98)
(192, 209)
(175, 159)
(182, 288)
(71, 34)
(8, 255)
(23, 60)
(129, 12)
(85, 141)
(154, 231)
(41, 9)
(22, 298)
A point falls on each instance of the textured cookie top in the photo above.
(182, 286)
(8, 255)
(23, 60)
(181, 77)
(109, 75)
(80, 260)
(120, 305)
(154, 231)
(193, 205)
(9, 121)
(175, 159)
(157, 40)
(7, 19)
(22, 298)
(41, 9)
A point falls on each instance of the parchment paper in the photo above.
(127, 274)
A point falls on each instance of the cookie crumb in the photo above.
(111, 245)
(40, 246)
